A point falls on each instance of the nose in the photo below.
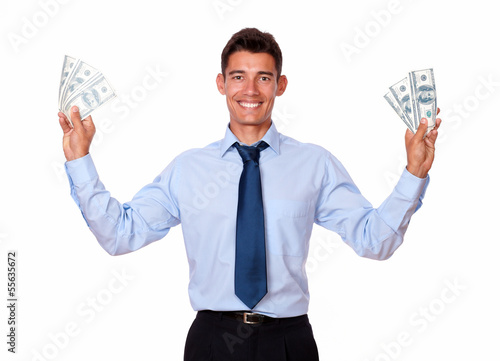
(251, 87)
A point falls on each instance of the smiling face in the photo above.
(250, 86)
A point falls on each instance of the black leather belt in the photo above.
(249, 318)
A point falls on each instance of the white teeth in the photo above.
(249, 105)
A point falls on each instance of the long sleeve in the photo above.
(123, 228)
(302, 184)
(371, 232)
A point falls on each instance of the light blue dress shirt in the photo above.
(302, 184)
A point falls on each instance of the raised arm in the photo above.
(377, 232)
(119, 228)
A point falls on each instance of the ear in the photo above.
(220, 84)
(282, 83)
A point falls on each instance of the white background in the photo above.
(359, 308)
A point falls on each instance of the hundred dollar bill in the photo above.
(423, 88)
(68, 65)
(95, 93)
(402, 93)
(84, 86)
(394, 104)
(79, 75)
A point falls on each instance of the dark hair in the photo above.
(254, 41)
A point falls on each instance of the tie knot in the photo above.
(250, 153)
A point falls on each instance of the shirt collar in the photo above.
(272, 137)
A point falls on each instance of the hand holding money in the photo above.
(77, 139)
(420, 149)
(414, 100)
(82, 90)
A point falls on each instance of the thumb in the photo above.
(422, 128)
(76, 119)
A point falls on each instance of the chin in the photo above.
(251, 122)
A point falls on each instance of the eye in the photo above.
(265, 78)
(237, 77)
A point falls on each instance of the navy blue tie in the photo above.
(250, 281)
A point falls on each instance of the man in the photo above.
(247, 204)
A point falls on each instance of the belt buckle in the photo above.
(245, 318)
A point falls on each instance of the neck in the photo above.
(249, 133)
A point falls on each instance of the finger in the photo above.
(88, 125)
(408, 135)
(76, 119)
(63, 116)
(438, 111)
(422, 128)
(431, 137)
(64, 123)
(438, 123)
(88, 121)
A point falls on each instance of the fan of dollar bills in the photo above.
(414, 98)
(83, 86)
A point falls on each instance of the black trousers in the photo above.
(214, 337)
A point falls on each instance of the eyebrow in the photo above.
(259, 72)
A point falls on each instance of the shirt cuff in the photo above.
(410, 186)
(81, 170)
